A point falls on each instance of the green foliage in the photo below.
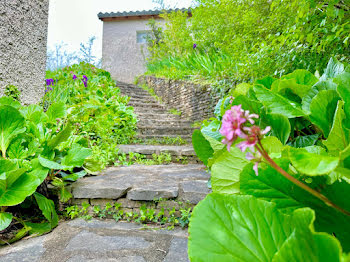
(310, 141)
(98, 111)
(246, 40)
(12, 91)
(37, 147)
(136, 158)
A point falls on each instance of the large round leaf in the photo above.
(312, 164)
(277, 104)
(271, 186)
(16, 187)
(226, 169)
(5, 220)
(243, 228)
(322, 109)
(12, 123)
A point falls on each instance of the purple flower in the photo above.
(74, 77)
(85, 78)
(49, 81)
(194, 46)
(85, 83)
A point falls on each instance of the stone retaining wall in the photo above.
(195, 102)
(23, 37)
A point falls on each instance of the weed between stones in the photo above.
(165, 216)
(157, 159)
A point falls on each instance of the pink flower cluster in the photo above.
(236, 123)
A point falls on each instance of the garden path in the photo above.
(130, 186)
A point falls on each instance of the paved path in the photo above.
(100, 241)
(154, 119)
(131, 186)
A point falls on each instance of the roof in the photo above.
(145, 14)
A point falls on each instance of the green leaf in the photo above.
(343, 81)
(267, 81)
(226, 169)
(241, 228)
(55, 111)
(304, 141)
(47, 207)
(338, 137)
(5, 220)
(13, 192)
(12, 123)
(334, 68)
(322, 85)
(280, 127)
(61, 136)
(272, 145)
(38, 228)
(76, 156)
(212, 130)
(312, 164)
(299, 82)
(271, 186)
(52, 164)
(202, 147)
(277, 104)
(240, 89)
(322, 109)
(9, 101)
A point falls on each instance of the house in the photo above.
(124, 47)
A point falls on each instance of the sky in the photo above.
(74, 21)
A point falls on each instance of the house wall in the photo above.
(122, 56)
(23, 43)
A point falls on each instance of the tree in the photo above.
(86, 51)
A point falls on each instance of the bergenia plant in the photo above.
(238, 123)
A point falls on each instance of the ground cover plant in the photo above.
(278, 152)
(96, 108)
(37, 148)
(163, 216)
(233, 41)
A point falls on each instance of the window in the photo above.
(141, 37)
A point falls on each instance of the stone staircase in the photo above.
(155, 122)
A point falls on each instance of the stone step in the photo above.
(143, 100)
(145, 105)
(186, 183)
(146, 137)
(161, 122)
(150, 130)
(186, 150)
(151, 110)
(161, 116)
(133, 90)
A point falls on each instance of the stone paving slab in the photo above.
(100, 241)
(157, 149)
(145, 183)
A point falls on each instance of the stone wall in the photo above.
(195, 102)
(23, 44)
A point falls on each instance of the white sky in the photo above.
(74, 21)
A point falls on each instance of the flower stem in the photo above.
(297, 182)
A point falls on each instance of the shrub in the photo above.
(245, 40)
(96, 108)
